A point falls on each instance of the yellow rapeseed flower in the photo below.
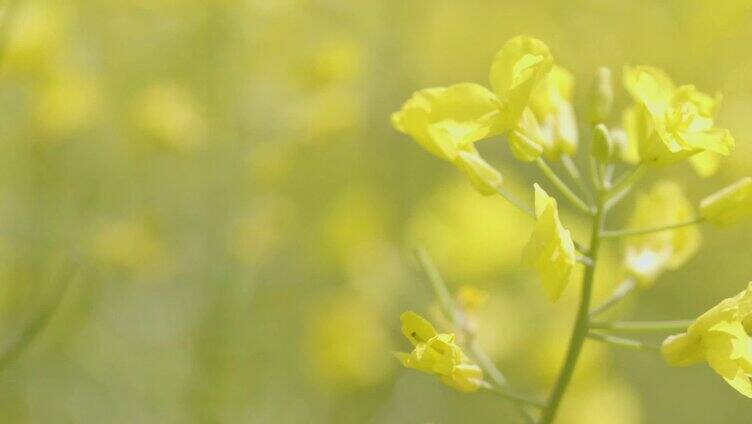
(720, 337)
(550, 249)
(446, 121)
(437, 353)
(670, 124)
(551, 101)
(647, 256)
(729, 205)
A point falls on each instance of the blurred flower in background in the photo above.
(239, 153)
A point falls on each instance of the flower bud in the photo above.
(729, 205)
(603, 145)
(601, 96)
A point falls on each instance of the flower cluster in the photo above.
(437, 353)
(530, 103)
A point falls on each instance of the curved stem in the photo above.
(642, 326)
(623, 343)
(580, 331)
(14, 347)
(562, 187)
(639, 232)
(623, 290)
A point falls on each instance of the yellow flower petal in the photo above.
(672, 124)
(416, 328)
(720, 336)
(517, 68)
(446, 120)
(550, 249)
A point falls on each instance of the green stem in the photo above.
(642, 326)
(514, 397)
(446, 302)
(623, 290)
(562, 187)
(574, 172)
(15, 346)
(639, 232)
(623, 343)
(580, 331)
(623, 186)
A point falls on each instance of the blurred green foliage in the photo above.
(226, 173)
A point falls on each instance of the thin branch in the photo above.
(622, 187)
(574, 172)
(642, 326)
(562, 187)
(514, 396)
(639, 232)
(623, 342)
(16, 345)
(622, 290)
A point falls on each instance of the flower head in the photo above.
(670, 124)
(647, 256)
(550, 249)
(720, 337)
(437, 353)
(729, 205)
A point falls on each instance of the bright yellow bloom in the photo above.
(729, 205)
(437, 353)
(720, 336)
(669, 124)
(550, 249)
(551, 104)
(647, 256)
(520, 65)
(446, 121)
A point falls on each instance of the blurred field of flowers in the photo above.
(223, 176)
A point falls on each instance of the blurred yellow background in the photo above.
(226, 175)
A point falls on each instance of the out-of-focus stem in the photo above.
(642, 326)
(623, 342)
(643, 231)
(622, 290)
